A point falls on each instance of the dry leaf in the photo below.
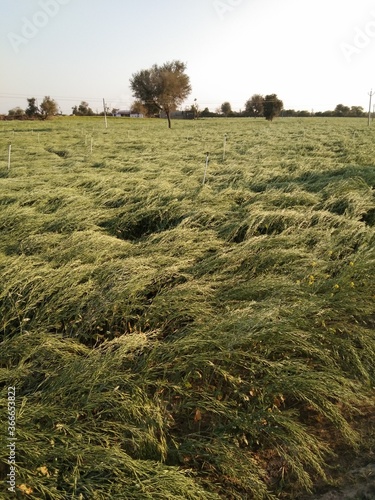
(25, 489)
(43, 470)
(198, 416)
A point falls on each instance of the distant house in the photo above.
(122, 113)
(125, 113)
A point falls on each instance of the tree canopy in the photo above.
(32, 109)
(16, 112)
(83, 109)
(254, 106)
(226, 108)
(162, 87)
(272, 106)
(48, 108)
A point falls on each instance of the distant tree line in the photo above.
(45, 110)
(160, 90)
(341, 110)
(257, 106)
(270, 107)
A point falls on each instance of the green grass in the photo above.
(172, 340)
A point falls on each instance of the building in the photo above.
(124, 113)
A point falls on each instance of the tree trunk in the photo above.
(169, 119)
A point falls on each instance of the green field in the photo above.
(174, 341)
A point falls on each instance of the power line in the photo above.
(62, 98)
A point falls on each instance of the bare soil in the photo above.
(352, 474)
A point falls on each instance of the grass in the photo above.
(173, 340)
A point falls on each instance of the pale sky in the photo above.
(314, 54)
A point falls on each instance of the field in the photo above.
(170, 340)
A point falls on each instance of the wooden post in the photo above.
(105, 114)
(371, 93)
(205, 170)
(91, 144)
(9, 151)
(225, 145)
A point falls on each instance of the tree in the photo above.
(303, 113)
(83, 109)
(138, 108)
(357, 111)
(254, 106)
(341, 110)
(206, 113)
(16, 112)
(162, 87)
(32, 110)
(272, 107)
(48, 108)
(192, 110)
(226, 108)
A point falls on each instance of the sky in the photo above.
(314, 54)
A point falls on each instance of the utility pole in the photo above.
(371, 93)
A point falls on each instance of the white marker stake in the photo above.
(205, 170)
(105, 114)
(9, 151)
(91, 144)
